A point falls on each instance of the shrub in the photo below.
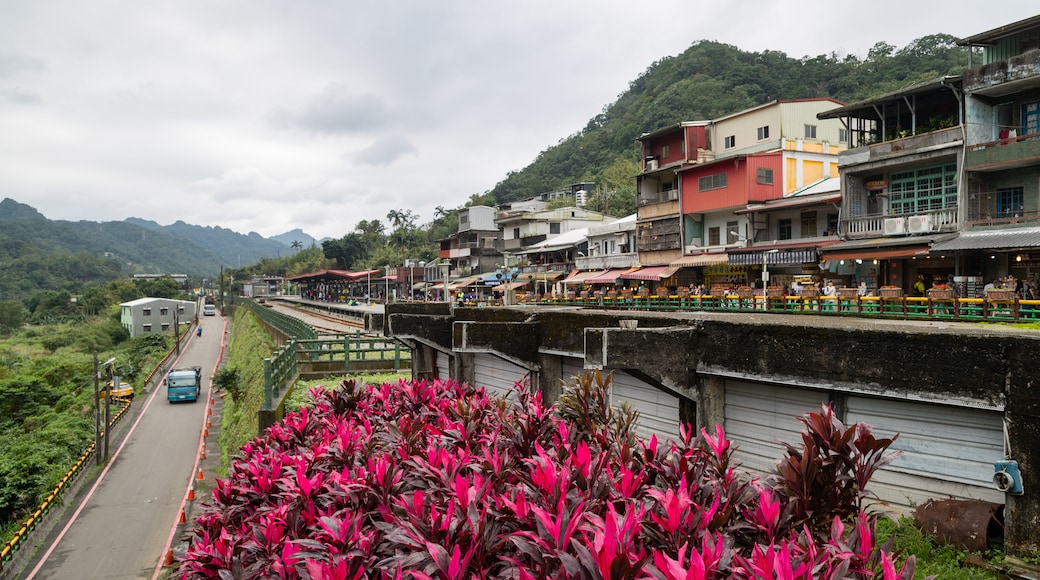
(435, 480)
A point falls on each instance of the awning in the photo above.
(877, 253)
(551, 275)
(701, 260)
(777, 258)
(648, 273)
(509, 286)
(582, 277)
(1004, 239)
(464, 282)
(608, 277)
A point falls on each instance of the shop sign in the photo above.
(875, 184)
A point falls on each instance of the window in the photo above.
(709, 182)
(843, 135)
(664, 151)
(810, 131)
(809, 224)
(765, 176)
(146, 312)
(763, 132)
(164, 311)
(1031, 118)
(463, 217)
(713, 236)
(516, 233)
(732, 233)
(730, 142)
(147, 328)
(180, 310)
(783, 228)
(165, 326)
(920, 190)
(554, 227)
(832, 224)
(1010, 202)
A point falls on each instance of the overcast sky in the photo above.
(267, 115)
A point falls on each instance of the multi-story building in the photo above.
(472, 249)
(665, 151)
(155, 315)
(1000, 191)
(900, 181)
(523, 225)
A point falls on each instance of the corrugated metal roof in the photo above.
(992, 240)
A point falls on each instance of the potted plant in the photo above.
(890, 292)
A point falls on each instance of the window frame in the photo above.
(712, 182)
(810, 131)
(764, 176)
(763, 133)
(729, 142)
(785, 229)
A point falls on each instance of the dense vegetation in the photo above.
(436, 480)
(46, 381)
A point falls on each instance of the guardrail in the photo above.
(287, 325)
(279, 372)
(353, 348)
(964, 309)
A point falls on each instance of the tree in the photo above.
(296, 245)
(12, 316)
(346, 250)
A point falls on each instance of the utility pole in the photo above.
(108, 403)
(177, 329)
(97, 413)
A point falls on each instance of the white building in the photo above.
(153, 315)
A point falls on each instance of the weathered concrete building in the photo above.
(961, 396)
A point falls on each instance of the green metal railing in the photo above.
(963, 309)
(354, 348)
(279, 372)
(287, 325)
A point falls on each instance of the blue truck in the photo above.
(184, 384)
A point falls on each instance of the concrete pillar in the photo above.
(549, 378)
(462, 368)
(422, 362)
(711, 409)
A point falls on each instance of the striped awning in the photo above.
(582, 277)
(777, 258)
(701, 260)
(652, 273)
(608, 277)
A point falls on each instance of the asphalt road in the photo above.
(122, 524)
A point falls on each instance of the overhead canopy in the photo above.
(582, 277)
(775, 257)
(701, 260)
(647, 273)
(608, 277)
(877, 253)
(1006, 239)
(551, 275)
(509, 286)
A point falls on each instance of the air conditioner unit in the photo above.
(673, 194)
(895, 226)
(651, 165)
(919, 224)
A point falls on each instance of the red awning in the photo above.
(582, 277)
(877, 253)
(648, 273)
(608, 277)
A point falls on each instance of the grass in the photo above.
(933, 558)
(299, 395)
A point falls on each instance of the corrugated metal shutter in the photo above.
(571, 368)
(658, 409)
(443, 365)
(759, 417)
(947, 451)
(496, 374)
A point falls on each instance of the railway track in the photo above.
(321, 321)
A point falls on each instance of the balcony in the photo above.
(1005, 76)
(628, 260)
(1002, 154)
(922, 143)
(924, 222)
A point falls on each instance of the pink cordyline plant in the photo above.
(435, 480)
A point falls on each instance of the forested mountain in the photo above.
(710, 80)
(229, 247)
(41, 254)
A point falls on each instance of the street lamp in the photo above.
(765, 277)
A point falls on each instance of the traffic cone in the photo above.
(191, 493)
(208, 424)
(200, 478)
(169, 558)
(184, 518)
(202, 451)
(205, 433)
(209, 412)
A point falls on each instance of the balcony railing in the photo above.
(1005, 153)
(628, 260)
(924, 222)
(1017, 68)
